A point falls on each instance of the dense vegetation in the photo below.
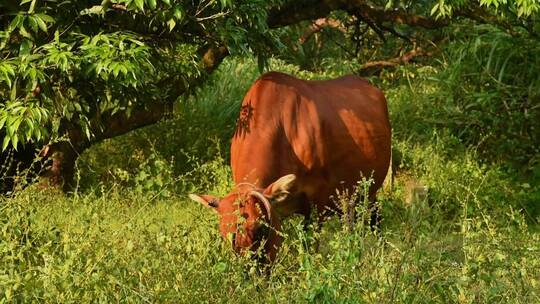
(130, 234)
(465, 114)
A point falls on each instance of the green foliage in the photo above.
(513, 9)
(135, 236)
(450, 126)
(78, 61)
(129, 246)
(491, 91)
(485, 94)
(28, 121)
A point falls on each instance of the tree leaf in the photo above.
(171, 24)
(225, 3)
(15, 125)
(37, 133)
(33, 23)
(178, 13)
(13, 94)
(42, 25)
(434, 9)
(94, 10)
(16, 22)
(29, 129)
(24, 33)
(140, 4)
(5, 142)
(32, 6)
(14, 141)
(46, 18)
(87, 132)
(3, 121)
(25, 47)
(6, 77)
(115, 68)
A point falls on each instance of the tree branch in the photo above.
(318, 25)
(370, 67)
(296, 11)
(400, 16)
(373, 25)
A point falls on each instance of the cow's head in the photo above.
(248, 217)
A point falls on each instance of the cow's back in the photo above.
(328, 133)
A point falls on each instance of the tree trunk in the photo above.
(59, 158)
(61, 166)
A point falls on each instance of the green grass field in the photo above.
(130, 234)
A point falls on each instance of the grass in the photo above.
(119, 246)
(129, 233)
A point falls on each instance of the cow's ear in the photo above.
(280, 190)
(207, 200)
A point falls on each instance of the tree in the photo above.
(73, 73)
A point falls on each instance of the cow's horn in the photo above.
(265, 202)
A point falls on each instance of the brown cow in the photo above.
(296, 142)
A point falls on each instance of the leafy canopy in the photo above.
(72, 61)
(66, 64)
